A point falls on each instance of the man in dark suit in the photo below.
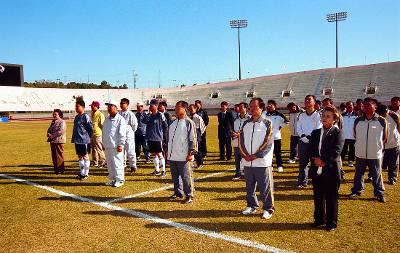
(325, 171)
(225, 123)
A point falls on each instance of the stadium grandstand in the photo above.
(380, 80)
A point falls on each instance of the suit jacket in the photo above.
(225, 125)
(331, 148)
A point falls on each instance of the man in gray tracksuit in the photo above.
(131, 126)
(370, 132)
(256, 147)
(182, 145)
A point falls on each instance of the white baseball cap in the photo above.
(112, 102)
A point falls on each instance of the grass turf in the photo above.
(39, 221)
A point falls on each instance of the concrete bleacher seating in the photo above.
(348, 83)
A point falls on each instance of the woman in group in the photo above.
(56, 135)
(327, 144)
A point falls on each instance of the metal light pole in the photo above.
(242, 23)
(336, 17)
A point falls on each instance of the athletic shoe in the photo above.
(301, 186)
(79, 176)
(133, 169)
(291, 161)
(249, 210)
(109, 183)
(280, 169)
(188, 200)
(148, 161)
(163, 174)
(351, 164)
(330, 229)
(381, 199)
(354, 195)
(155, 173)
(267, 215)
(175, 197)
(200, 167)
(392, 181)
(118, 184)
(84, 177)
(236, 177)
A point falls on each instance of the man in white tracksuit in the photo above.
(256, 147)
(182, 145)
(114, 138)
(132, 124)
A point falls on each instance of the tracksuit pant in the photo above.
(391, 162)
(278, 152)
(199, 155)
(294, 140)
(203, 144)
(375, 171)
(348, 146)
(304, 158)
(238, 159)
(115, 164)
(182, 178)
(326, 196)
(141, 144)
(130, 151)
(260, 177)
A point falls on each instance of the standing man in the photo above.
(278, 121)
(131, 126)
(348, 130)
(81, 135)
(256, 147)
(203, 114)
(391, 149)
(235, 112)
(294, 112)
(98, 157)
(395, 105)
(237, 127)
(359, 108)
(225, 123)
(200, 128)
(371, 133)
(182, 145)
(114, 138)
(308, 121)
(140, 134)
(162, 107)
(156, 130)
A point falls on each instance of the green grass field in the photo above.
(37, 220)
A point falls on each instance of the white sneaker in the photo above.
(291, 161)
(280, 169)
(351, 164)
(109, 183)
(267, 215)
(118, 184)
(249, 210)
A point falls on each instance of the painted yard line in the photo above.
(155, 219)
(170, 186)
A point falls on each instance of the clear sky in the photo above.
(184, 41)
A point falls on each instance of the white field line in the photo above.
(155, 219)
(170, 186)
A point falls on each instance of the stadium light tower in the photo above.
(336, 17)
(242, 23)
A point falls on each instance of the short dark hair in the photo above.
(183, 104)
(236, 105)
(373, 100)
(60, 113)
(125, 100)
(329, 100)
(261, 103)
(245, 105)
(309, 95)
(290, 104)
(381, 109)
(80, 102)
(224, 103)
(349, 102)
(271, 101)
(395, 98)
(197, 102)
(318, 102)
(359, 100)
(163, 103)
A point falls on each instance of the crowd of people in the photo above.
(366, 132)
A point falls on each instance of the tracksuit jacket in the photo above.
(114, 132)
(348, 124)
(255, 139)
(307, 123)
(182, 139)
(83, 129)
(278, 121)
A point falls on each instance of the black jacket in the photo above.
(203, 114)
(225, 125)
(331, 148)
